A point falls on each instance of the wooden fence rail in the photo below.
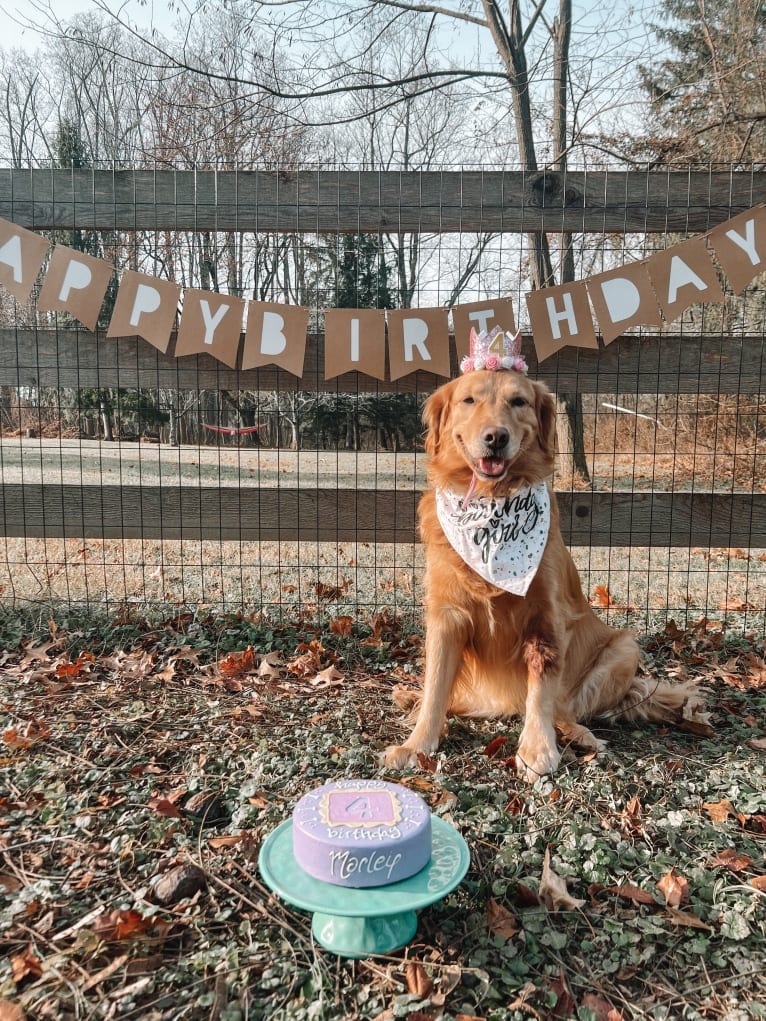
(371, 201)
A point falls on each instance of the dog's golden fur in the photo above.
(546, 656)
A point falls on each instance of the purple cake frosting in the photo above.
(361, 833)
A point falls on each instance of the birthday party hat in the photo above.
(496, 350)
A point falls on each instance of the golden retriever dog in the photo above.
(517, 637)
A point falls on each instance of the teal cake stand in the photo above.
(374, 920)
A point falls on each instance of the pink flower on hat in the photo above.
(492, 362)
(481, 357)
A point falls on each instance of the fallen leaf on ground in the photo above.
(120, 924)
(719, 811)
(494, 746)
(418, 981)
(604, 1011)
(674, 889)
(26, 965)
(731, 859)
(758, 744)
(759, 882)
(34, 732)
(631, 892)
(553, 889)
(501, 921)
(10, 1011)
(686, 918)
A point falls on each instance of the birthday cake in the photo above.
(361, 833)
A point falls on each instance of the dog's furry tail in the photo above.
(651, 699)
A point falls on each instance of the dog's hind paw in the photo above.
(533, 764)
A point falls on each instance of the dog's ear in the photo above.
(546, 418)
(435, 412)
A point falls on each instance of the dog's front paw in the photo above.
(400, 756)
(535, 761)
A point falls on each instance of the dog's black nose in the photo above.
(495, 437)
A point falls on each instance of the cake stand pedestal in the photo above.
(355, 922)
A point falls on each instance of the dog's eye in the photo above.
(518, 402)
(468, 400)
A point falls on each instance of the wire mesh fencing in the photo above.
(139, 477)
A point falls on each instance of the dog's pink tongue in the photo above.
(492, 466)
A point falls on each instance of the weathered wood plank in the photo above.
(659, 364)
(430, 201)
(325, 515)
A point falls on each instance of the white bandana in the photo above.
(502, 540)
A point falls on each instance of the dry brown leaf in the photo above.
(26, 964)
(631, 892)
(329, 677)
(418, 980)
(674, 889)
(719, 811)
(686, 918)
(759, 882)
(449, 979)
(758, 744)
(732, 860)
(34, 732)
(553, 889)
(10, 1011)
(604, 1011)
(165, 808)
(238, 663)
(426, 763)
(501, 921)
(120, 924)
(565, 1005)
(341, 625)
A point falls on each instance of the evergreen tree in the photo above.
(708, 92)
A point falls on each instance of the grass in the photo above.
(132, 747)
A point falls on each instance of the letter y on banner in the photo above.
(740, 247)
(211, 323)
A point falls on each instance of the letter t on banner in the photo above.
(145, 306)
(560, 316)
(355, 341)
(480, 316)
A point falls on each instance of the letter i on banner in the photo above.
(355, 341)
(275, 335)
(145, 307)
(560, 316)
(740, 247)
(22, 254)
(211, 323)
(75, 283)
(418, 338)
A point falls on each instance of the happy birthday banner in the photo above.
(646, 293)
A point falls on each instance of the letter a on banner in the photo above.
(682, 276)
(418, 338)
(22, 254)
(355, 341)
(75, 283)
(740, 247)
(211, 323)
(275, 335)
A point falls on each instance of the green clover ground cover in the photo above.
(142, 765)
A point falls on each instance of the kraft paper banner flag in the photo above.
(418, 338)
(211, 323)
(145, 306)
(622, 298)
(75, 283)
(740, 247)
(560, 316)
(275, 335)
(355, 341)
(482, 316)
(683, 275)
(22, 253)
